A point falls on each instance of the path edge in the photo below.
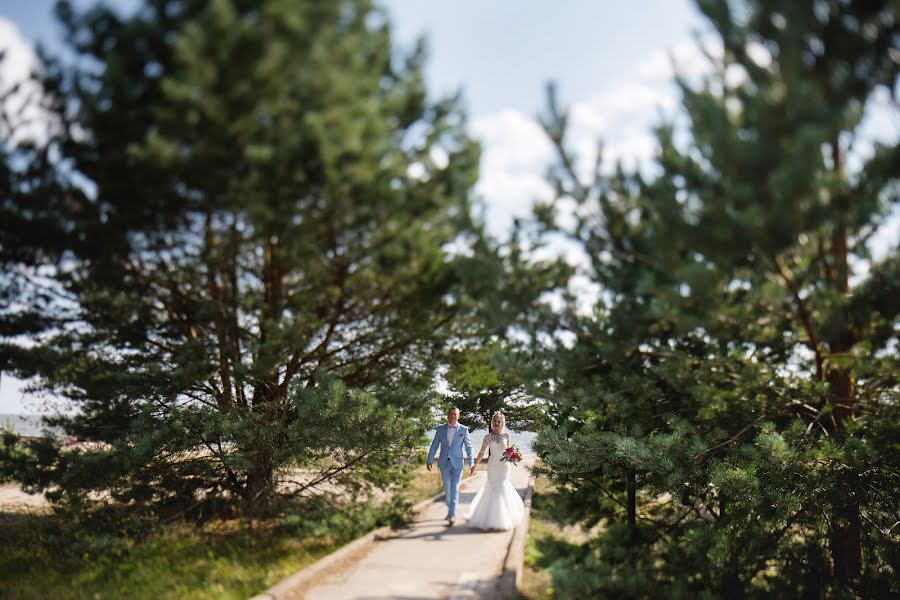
(288, 587)
(511, 576)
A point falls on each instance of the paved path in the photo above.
(429, 559)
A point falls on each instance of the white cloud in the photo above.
(735, 76)
(512, 142)
(19, 60)
(632, 98)
(637, 147)
(685, 58)
(759, 54)
(880, 124)
(508, 195)
(515, 154)
(22, 112)
(887, 238)
(587, 115)
(416, 170)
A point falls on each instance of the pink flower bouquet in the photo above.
(512, 455)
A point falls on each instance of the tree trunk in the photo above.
(846, 529)
(732, 588)
(814, 577)
(631, 485)
(846, 534)
(225, 400)
(260, 483)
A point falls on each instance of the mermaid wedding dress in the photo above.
(497, 504)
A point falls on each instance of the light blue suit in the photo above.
(451, 461)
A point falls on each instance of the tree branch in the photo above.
(805, 318)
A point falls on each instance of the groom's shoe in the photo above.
(451, 521)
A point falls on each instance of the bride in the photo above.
(497, 505)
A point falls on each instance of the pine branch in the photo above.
(805, 317)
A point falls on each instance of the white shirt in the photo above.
(451, 432)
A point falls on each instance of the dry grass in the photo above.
(43, 556)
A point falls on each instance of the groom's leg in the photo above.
(453, 492)
(445, 475)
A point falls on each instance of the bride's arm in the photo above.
(508, 440)
(484, 445)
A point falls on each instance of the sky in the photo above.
(610, 61)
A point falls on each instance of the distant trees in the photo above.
(479, 388)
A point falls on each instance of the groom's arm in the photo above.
(468, 443)
(435, 442)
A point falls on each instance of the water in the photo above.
(30, 425)
(522, 439)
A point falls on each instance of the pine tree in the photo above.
(33, 232)
(481, 384)
(260, 196)
(729, 408)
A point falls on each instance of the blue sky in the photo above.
(499, 51)
(502, 52)
(610, 60)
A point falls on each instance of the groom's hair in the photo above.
(452, 408)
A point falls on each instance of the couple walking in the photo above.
(497, 504)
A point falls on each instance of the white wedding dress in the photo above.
(497, 505)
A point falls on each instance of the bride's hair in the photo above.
(502, 419)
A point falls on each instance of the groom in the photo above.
(452, 438)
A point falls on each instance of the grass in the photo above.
(219, 560)
(543, 532)
(536, 582)
(44, 556)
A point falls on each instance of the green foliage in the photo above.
(257, 200)
(735, 370)
(481, 383)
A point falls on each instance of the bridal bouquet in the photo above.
(512, 455)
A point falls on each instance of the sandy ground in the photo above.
(13, 499)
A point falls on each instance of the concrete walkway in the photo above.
(426, 560)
